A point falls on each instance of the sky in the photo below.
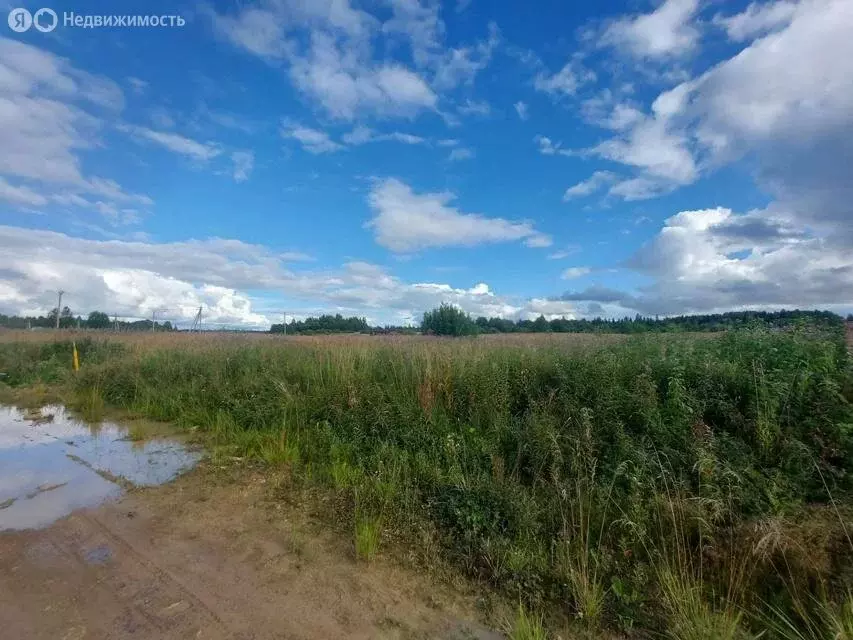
(381, 157)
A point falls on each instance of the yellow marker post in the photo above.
(75, 364)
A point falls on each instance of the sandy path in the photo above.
(209, 557)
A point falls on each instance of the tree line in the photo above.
(324, 324)
(448, 320)
(67, 320)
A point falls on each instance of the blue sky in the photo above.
(381, 157)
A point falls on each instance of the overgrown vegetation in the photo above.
(694, 486)
(448, 320)
(323, 324)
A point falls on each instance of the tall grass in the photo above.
(660, 483)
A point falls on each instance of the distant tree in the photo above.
(541, 325)
(66, 318)
(850, 317)
(447, 320)
(324, 324)
(98, 320)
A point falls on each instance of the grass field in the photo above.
(692, 485)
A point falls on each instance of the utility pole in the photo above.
(115, 322)
(284, 314)
(58, 307)
(196, 322)
(153, 319)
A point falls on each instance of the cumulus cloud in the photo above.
(405, 221)
(522, 110)
(51, 112)
(661, 154)
(714, 260)
(758, 19)
(420, 26)
(564, 82)
(328, 49)
(345, 84)
(668, 31)
(135, 278)
(794, 124)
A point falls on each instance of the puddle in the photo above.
(52, 463)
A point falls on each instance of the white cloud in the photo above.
(716, 259)
(575, 272)
(257, 30)
(666, 32)
(460, 153)
(405, 221)
(475, 107)
(564, 253)
(449, 142)
(655, 150)
(112, 190)
(199, 151)
(622, 117)
(565, 82)
(344, 83)
(336, 67)
(244, 162)
(522, 110)
(362, 135)
(20, 195)
(758, 19)
(458, 66)
(596, 181)
(135, 278)
(548, 147)
(421, 26)
(312, 140)
(138, 85)
(794, 124)
(50, 112)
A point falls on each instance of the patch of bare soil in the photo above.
(212, 556)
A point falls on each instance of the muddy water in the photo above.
(52, 463)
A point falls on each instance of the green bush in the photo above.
(448, 320)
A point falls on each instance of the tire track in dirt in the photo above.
(162, 574)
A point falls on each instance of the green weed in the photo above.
(367, 535)
(526, 626)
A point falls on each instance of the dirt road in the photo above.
(209, 556)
